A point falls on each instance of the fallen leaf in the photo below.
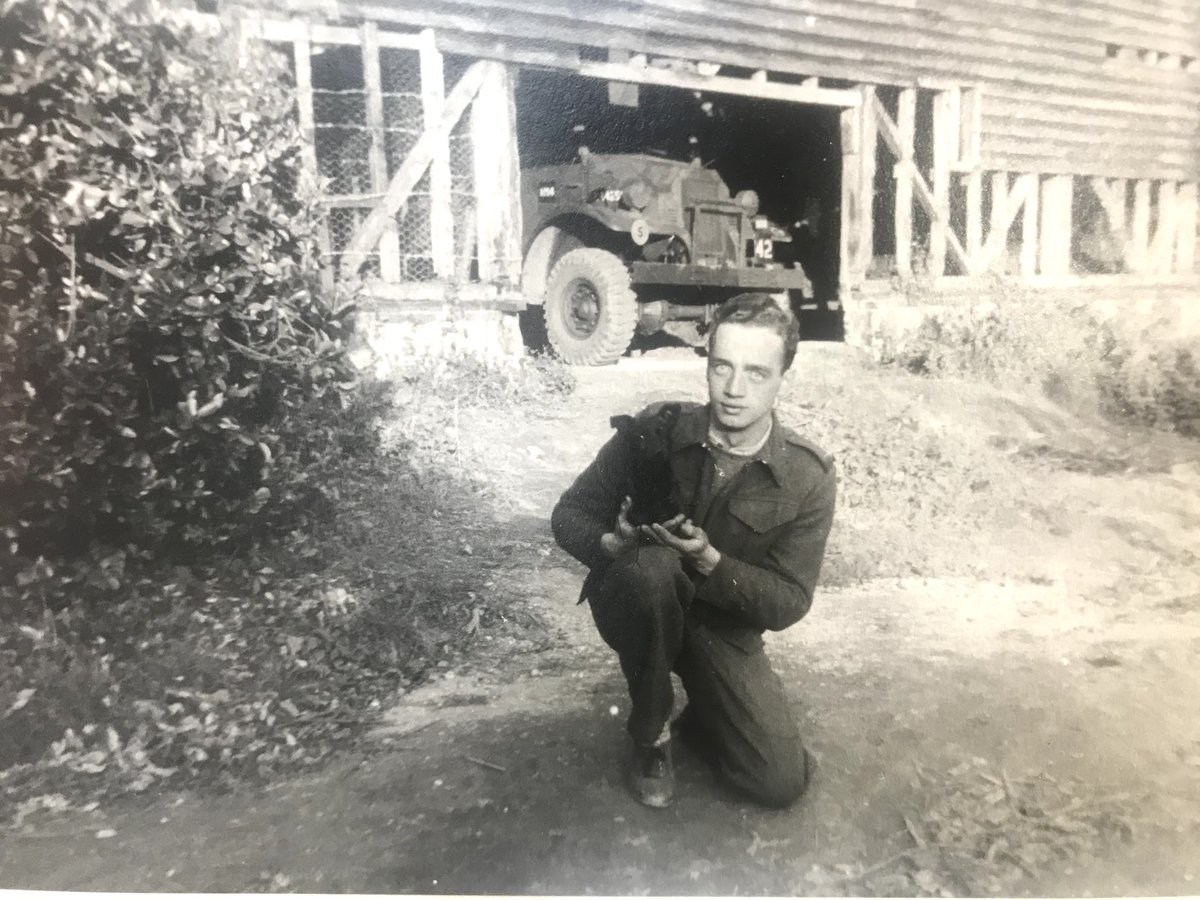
(23, 697)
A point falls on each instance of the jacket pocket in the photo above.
(761, 514)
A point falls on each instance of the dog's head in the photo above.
(650, 434)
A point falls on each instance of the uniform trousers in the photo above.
(642, 606)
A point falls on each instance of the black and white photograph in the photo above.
(600, 447)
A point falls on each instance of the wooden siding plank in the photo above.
(1002, 110)
(1039, 21)
(1016, 162)
(853, 55)
(1083, 148)
(838, 48)
(941, 52)
(1111, 135)
(946, 33)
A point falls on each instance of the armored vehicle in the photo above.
(619, 244)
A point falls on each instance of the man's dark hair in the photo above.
(762, 311)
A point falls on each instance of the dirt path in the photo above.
(1052, 701)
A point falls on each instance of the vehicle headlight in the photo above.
(748, 200)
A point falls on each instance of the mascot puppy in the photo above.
(649, 480)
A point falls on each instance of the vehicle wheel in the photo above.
(590, 308)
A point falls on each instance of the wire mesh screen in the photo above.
(462, 201)
(403, 122)
(345, 143)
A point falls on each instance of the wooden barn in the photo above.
(936, 151)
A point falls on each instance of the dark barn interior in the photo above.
(787, 152)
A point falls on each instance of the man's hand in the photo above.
(686, 539)
(623, 536)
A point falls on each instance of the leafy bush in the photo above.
(171, 378)
(1019, 342)
(1156, 382)
(1126, 363)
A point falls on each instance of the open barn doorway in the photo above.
(786, 153)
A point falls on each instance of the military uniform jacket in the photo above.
(770, 523)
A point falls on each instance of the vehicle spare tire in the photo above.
(589, 307)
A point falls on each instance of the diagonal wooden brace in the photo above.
(924, 195)
(413, 167)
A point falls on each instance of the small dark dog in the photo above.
(649, 480)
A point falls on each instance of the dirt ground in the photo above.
(1018, 714)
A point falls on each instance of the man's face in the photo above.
(745, 372)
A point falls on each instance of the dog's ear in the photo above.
(621, 423)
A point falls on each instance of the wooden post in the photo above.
(1185, 233)
(441, 213)
(945, 141)
(851, 201)
(1138, 248)
(906, 125)
(974, 248)
(1029, 185)
(310, 174)
(970, 141)
(1000, 219)
(497, 178)
(1162, 248)
(1055, 228)
(868, 148)
(389, 244)
(512, 238)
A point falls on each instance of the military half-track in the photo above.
(619, 244)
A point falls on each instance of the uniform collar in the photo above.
(692, 430)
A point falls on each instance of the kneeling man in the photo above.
(694, 594)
